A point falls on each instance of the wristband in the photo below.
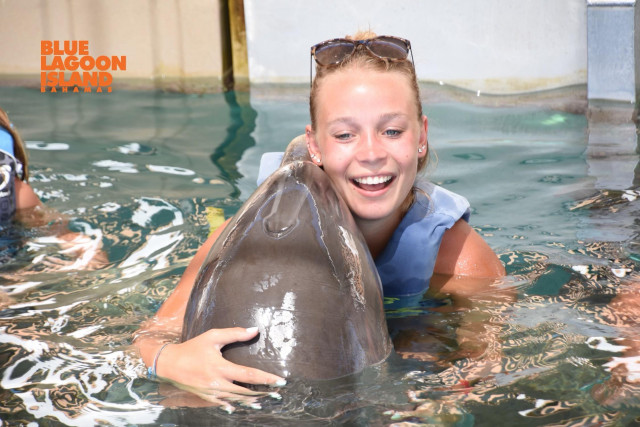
(151, 370)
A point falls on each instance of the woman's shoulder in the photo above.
(464, 252)
(25, 196)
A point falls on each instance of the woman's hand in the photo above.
(197, 365)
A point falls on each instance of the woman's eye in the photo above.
(343, 136)
(392, 132)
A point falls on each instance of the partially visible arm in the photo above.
(25, 196)
(30, 210)
(171, 313)
(467, 269)
(463, 252)
(623, 312)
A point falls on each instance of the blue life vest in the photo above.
(406, 264)
(9, 168)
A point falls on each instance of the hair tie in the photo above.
(151, 371)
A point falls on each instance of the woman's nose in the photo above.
(370, 148)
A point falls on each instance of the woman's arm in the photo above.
(623, 312)
(463, 252)
(25, 196)
(196, 365)
(466, 269)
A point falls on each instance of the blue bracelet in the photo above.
(151, 370)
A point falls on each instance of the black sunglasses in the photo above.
(335, 51)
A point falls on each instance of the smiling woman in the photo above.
(369, 135)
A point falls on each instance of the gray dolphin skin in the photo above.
(293, 263)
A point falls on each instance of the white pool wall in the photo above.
(492, 46)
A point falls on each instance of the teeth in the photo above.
(372, 180)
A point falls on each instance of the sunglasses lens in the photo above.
(388, 47)
(333, 52)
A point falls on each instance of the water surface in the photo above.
(147, 173)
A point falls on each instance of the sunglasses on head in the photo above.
(335, 51)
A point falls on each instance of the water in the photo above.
(145, 172)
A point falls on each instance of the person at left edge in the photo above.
(19, 202)
(15, 192)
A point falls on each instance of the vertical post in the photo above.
(239, 44)
(225, 45)
(613, 50)
(613, 89)
(234, 45)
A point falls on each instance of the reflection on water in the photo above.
(239, 137)
(76, 387)
(143, 172)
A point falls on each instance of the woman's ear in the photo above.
(312, 146)
(423, 141)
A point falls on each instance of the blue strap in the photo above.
(6, 146)
(7, 189)
(6, 142)
(406, 263)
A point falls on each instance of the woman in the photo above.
(368, 133)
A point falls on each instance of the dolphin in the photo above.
(293, 263)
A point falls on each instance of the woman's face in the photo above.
(367, 138)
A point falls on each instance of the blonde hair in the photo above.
(19, 150)
(362, 58)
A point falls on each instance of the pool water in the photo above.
(148, 174)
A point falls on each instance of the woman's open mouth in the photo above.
(373, 183)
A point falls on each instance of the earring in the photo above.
(420, 149)
(315, 158)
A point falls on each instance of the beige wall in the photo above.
(490, 46)
(171, 44)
